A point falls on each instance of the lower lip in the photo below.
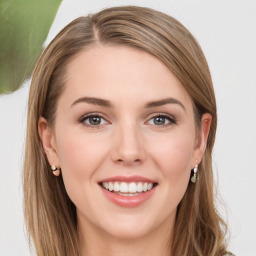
(128, 201)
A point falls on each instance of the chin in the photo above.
(128, 231)
(131, 226)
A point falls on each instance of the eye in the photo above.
(93, 120)
(162, 120)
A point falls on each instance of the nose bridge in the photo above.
(128, 146)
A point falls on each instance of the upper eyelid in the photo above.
(93, 114)
(162, 115)
(81, 119)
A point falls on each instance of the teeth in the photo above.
(140, 187)
(106, 185)
(127, 194)
(150, 185)
(132, 188)
(124, 187)
(116, 187)
(110, 186)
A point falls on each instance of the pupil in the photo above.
(159, 120)
(94, 120)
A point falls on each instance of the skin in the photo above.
(128, 141)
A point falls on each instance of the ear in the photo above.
(202, 137)
(48, 141)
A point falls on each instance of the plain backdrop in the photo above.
(226, 30)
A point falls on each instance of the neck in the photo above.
(95, 242)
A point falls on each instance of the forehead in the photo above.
(121, 74)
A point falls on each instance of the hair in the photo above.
(50, 215)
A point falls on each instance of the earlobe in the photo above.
(203, 136)
(48, 141)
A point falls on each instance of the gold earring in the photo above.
(56, 171)
(194, 177)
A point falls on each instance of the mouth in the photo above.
(128, 188)
(128, 192)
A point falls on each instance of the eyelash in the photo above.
(170, 119)
(84, 118)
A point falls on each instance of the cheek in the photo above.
(174, 156)
(79, 154)
(80, 157)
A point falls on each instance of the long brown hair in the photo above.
(49, 213)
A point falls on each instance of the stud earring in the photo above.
(55, 171)
(194, 177)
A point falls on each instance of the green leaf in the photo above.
(24, 25)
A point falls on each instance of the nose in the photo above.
(129, 147)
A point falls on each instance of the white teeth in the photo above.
(110, 186)
(132, 188)
(150, 185)
(124, 187)
(127, 194)
(140, 187)
(116, 187)
(105, 185)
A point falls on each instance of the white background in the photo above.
(226, 30)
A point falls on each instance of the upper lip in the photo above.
(134, 178)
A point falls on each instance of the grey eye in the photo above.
(93, 120)
(162, 120)
(159, 120)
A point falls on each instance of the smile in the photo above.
(128, 191)
(127, 188)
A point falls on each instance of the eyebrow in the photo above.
(107, 103)
(93, 101)
(164, 102)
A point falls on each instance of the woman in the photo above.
(121, 125)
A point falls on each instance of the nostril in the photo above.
(129, 161)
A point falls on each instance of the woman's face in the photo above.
(124, 125)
